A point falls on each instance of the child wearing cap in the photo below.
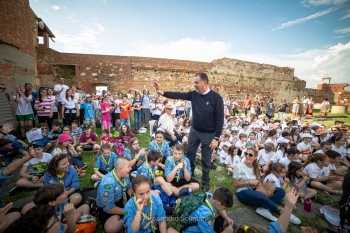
(245, 129)
(88, 140)
(47, 136)
(306, 147)
(32, 172)
(187, 134)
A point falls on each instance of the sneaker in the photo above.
(15, 190)
(96, 184)
(294, 219)
(339, 192)
(266, 214)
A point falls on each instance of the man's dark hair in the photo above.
(224, 196)
(153, 155)
(203, 77)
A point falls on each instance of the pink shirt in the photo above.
(107, 115)
(47, 103)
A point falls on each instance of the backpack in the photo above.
(185, 206)
(88, 195)
(98, 124)
(119, 150)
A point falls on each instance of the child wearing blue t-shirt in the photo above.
(89, 113)
(177, 170)
(47, 136)
(144, 212)
(104, 163)
(149, 168)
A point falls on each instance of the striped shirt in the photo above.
(47, 103)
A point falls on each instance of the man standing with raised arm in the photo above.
(208, 120)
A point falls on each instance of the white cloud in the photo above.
(184, 49)
(308, 3)
(347, 15)
(70, 18)
(46, 10)
(309, 65)
(302, 20)
(100, 27)
(338, 37)
(35, 1)
(55, 7)
(343, 31)
(84, 41)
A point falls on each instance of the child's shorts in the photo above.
(182, 182)
(88, 120)
(29, 117)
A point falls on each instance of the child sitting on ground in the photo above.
(232, 159)
(105, 138)
(47, 136)
(112, 195)
(76, 130)
(276, 174)
(148, 169)
(335, 166)
(210, 216)
(56, 131)
(145, 212)
(320, 178)
(241, 143)
(124, 136)
(9, 150)
(59, 171)
(223, 154)
(32, 172)
(104, 163)
(177, 170)
(298, 179)
(88, 140)
(292, 155)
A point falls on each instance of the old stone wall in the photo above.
(231, 77)
(18, 39)
(340, 95)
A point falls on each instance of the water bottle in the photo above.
(304, 188)
(307, 205)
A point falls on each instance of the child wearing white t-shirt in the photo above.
(319, 174)
(223, 154)
(32, 172)
(241, 143)
(232, 159)
(266, 155)
(276, 175)
(292, 155)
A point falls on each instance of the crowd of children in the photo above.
(137, 187)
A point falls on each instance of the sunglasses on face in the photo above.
(248, 154)
(169, 108)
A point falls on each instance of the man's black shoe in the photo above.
(205, 187)
(213, 166)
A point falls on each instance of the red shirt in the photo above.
(126, 112)
(247, 103)
(84, 138)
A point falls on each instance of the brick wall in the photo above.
(17, 28)
(227, 76)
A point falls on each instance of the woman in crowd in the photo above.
(325, 107)
(246, 179)
(296, 106)
(44, 108)
(24, 112)
(270, 109)
(70, 110)
(55, 103)
(106, 109)
(166, 124)
(310, 104)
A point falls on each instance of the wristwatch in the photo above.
(217, 139)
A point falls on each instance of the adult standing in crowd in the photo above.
(296, 106)
(303, 105)
(208, 120)
(146, 109)
(28, 88)
(282, 108)
(324, 107)
(60, 90)
(270, 109)
(247, 104)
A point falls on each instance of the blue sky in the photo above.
(311, 36)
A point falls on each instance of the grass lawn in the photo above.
(218, 178)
